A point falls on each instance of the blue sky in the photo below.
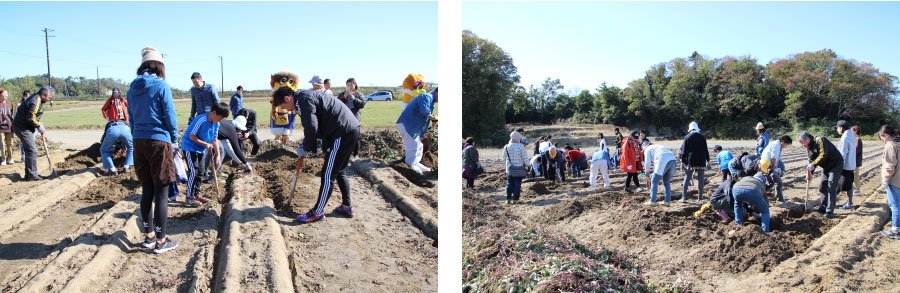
(378, 43)
(584, 44)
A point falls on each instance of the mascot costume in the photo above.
(282, 120)
(413, 86)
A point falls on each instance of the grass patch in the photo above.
(86, 114)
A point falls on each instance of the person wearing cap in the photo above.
(822, 153)
(631, 160)
(203, 96)
(694, 158)
(327, 86)
(229, 142)
(26, 122)
(155, 132)
(323, 117)
(555, 165)
(723, 158)
(762, 138)
(237, 100)
(847, 148)
(749, 192)
(412, 124)
(317, 84)
(250, 132)
(772, 153)
(115, 111)
(6, 132)
(662, 161)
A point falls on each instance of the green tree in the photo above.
(488, 79)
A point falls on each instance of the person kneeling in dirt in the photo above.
(536, 163)
(325, 117)
(662, 161)
(750, 191)
(721, 200)
(772, 153)
(556, 165)
(600, 164)
(250, 132)
(230, 144)
(199, 139)
(824, 154)
(412, 124)
(115, 111)
(577, 159)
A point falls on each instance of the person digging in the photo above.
(199, 139)
(822, 153)
(323, 117)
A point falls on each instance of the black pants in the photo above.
(158, 195)
(336, 159)
(195, 163)
(470, 182)
(629, 178)
(254, 140)
(828, 187)
(29, 152)
(725, 174)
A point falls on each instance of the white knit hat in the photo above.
(150, 53)
(693, 127)
(760, 126)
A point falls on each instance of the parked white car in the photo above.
(380, 96)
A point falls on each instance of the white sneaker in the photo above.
(10, 162)
(856, 193)
(639, 189)
(423, 168)
(649, 203)
(2, 163)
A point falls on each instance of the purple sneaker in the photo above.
(345, 210)
(723, 214)
(309, 217)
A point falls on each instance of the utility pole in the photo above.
(222, 72)
(98, 82)
(47, 46)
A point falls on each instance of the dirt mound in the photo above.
(537, 189)
(278, 165)
(500, 255)
(384, 144)
(491, 180)
(112, 188)
(570, 209)
(423, 180)
(87, 158)
(275, 154)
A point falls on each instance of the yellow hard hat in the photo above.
(764, 166)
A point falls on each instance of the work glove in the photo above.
(41, 129)
(810, 167)
(248, 168)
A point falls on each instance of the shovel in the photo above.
(806, 199)
(215, 178)
(47, 151)
(299, 166)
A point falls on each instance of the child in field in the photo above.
(199, 138)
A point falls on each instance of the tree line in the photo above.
(727, 95)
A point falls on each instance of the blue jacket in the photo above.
(151, 109)
(203, 129)
(600, 155)
(723, 158)
(236, 104)
(203, 99)
(415, 115)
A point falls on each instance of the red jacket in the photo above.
(115, 109)
(632, 156)
(574, 155)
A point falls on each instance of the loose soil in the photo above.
(673, 247)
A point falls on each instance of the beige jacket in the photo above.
(889, 163)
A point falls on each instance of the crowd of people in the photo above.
(143, 127)
(746, 178)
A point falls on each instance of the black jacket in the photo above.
(823, 153)
(28, 115)
(323, 116)
(228, 132)
(251, 119)
(694, 152)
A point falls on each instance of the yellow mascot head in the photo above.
(413, 85)
(284, 79)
